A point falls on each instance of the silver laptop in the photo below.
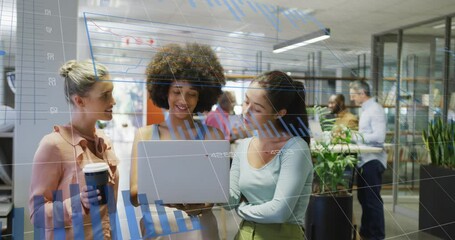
(184, 171)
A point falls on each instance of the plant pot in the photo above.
(329, 217)
(437, 201)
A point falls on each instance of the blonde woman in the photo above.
(62, 154)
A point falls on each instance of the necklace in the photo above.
(273, 147)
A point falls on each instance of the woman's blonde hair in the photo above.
(81, 76)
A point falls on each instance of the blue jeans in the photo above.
(369, 181)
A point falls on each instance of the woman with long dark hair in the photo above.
(272, 172)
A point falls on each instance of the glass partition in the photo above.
(420, 100)
(411, 68)
(387, 75)
(451, 69)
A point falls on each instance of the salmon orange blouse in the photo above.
(57, 164)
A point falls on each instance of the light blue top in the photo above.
(278, 192)
(372, 126)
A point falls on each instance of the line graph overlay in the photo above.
(127, 45)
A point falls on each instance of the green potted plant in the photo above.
(321, 113)
(437, 191)
(331, 165)
(439, 141)
(331, 201)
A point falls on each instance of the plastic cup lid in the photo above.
(95, 167)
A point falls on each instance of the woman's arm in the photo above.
(46, 174)
(234, 175)
(296, 166)
(141, 134)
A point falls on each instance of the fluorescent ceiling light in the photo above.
(302, 40)
(441, 26)
(288, 11)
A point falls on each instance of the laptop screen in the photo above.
(184, 171)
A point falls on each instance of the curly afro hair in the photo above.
(195, 63)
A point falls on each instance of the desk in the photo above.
(353, 147)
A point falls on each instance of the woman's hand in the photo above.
(192, 209)
(243, 199)
(89, 196)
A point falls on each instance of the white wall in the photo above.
(46, 38)
(3, 83)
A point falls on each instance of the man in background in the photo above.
(343, 116)
(372, 127)
(219, 118)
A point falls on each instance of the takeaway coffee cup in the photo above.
(97, 176)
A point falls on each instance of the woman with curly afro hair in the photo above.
(185, 80)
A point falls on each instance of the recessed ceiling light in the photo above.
(357, 52)
(245, 34)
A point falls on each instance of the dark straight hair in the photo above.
(283, 92)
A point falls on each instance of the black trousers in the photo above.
(369, 181)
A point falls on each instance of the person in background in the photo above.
(219, 118)
(272, 172)
(185, 81)
(372, 127)
(451, 111)
(343, 116)
(62, 154)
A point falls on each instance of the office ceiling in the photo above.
(239, 29)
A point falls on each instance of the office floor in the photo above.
(398, 226)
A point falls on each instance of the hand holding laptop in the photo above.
(192, 209)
